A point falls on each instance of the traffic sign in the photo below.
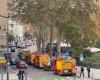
(67, 52)
(81, 57)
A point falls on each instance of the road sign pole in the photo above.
(7, 50)
(7, 17)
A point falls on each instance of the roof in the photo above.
(65, 44)
(93, 49)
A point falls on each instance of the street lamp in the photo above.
(7, 17)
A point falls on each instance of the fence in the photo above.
(85, 64)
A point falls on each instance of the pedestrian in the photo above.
(19, 74)
(88, 71)
(82, 71)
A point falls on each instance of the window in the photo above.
(22, 62)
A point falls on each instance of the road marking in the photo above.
(28, 78)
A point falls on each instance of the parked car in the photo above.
(13, 61)
(12, 49)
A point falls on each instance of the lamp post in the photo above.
(7, 17)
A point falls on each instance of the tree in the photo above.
(30, 12)
(27, 34)
(96, 18)
(72, 18)
(80, 28)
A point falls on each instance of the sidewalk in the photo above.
(12, 76)
(94, 74)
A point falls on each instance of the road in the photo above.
(39, 74)
(35, 73)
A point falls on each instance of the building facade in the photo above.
(3, 22)
(16, 29)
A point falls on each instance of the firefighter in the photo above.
(88, 71)
(82, 71)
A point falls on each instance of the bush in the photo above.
(95, 58)
(87, 53)
(97, 43)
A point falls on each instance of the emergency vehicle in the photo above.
(64, 65)
(40, 59)
(30, 58)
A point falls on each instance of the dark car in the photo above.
(21, 65)
(13, 61)
(12, 49)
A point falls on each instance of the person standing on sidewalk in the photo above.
(88, 71)
(82, 71)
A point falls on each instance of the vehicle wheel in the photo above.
(44, 68)
(60, 74)
(74, 74)
(54, 72)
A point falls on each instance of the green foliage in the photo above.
(87, 53)
(73, 17)
(27, 34)
(94, 58)
(97, 44)
(79, 28)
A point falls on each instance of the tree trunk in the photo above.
(43, 43)
(59, 40)
(51, 37)
(38, 44)
(38, 41)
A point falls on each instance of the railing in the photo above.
(92, 65)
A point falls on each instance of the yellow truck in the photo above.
(65, 65)
(31, 58)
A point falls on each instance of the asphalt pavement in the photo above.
(34, 73)
(39, 74)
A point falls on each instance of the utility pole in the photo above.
(7, 48)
